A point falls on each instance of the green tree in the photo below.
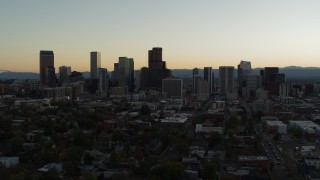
(115, 157)
(72, 154)
(168, 170)
(81, 140)
(89, 176)
(209, 171)
(145, 110)
(16, 144)
(297, 133)
(215, 139)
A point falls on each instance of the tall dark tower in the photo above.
(270, 83)
(47, 71)
(155, 58)
(207, 75)
(157, 69)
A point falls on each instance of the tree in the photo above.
(89, 176)
(277, 137)
(182, 146)
(209, 171)
(73, 155)
(168, 170)
(52, 174)
(297, 133)
(145, 110)
(215, 139)
(79, 139)
(16, 144)
(115, 157)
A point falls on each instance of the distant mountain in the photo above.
(27, 75)
(18, 75)
(290, 71)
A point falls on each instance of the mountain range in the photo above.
(290, 72)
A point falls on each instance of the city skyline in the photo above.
(192, 34)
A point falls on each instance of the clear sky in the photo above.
(192, 33)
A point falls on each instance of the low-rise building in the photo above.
(276, 127)
(309, 128)
(7, 162)
(261, 106)
(261, 161)
(312, 161)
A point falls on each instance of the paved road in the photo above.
(278, 171)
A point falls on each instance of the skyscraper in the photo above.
(115, 75)
(173, 87)
(196, 80)
(207, 75)
(195, 72)
(157, 68)
(126, 73)
(270, 83)
(244, 69)
(47, 71)
(144, 78)
(226, 76)
(137, 80)
(95, 63)
(103, 80)
(64, 73)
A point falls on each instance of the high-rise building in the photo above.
(207, 75)
(126, 73)
(95, 63)
(270, 83)
(64, 73)
(284, 89)
(157, 68)
(115, 75)
(196, 80)
(202, 90)
(253, 82)
(103, 80)
(226, 76)
(308, 89)
(244, 70)
(173, 87)
(47, 70)
(137, 80)
(76, 77)
(195, 72)
(144, 78)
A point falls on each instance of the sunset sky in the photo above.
(192, 33)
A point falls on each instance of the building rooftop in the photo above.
(253, 158)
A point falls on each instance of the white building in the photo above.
(312, 161)
(308, 127)
(9, 161)
(279, 126)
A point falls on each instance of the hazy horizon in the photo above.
(191, 33)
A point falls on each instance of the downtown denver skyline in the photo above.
(191, 33)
